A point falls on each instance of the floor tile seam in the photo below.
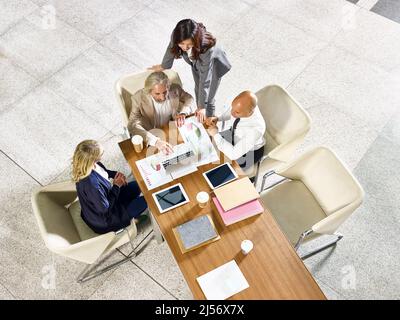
(362, 58)
(246, 12)
(107, 131)
(388, 19)
(42, 82)
(19, 20)
(329, 287)
(14, 296)
(357, 58)
(112, 134)
(307, 32)
(104, 281)
(68, 61)
(371, 146)
(352, 116)
(20, 167)
(319, 53)
(149, 276)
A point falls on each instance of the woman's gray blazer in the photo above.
(207, 73)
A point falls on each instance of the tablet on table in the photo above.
(220, 175)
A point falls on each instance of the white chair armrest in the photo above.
(285, 151)
(332, 222)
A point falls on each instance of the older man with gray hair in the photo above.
(155, 105)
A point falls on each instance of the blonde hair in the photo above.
(86, 154)
(155, 78)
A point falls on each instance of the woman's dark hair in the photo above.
(190, 29)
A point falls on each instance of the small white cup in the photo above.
(202, 198)
(246, 246)
(137, 142)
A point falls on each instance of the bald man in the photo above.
(244, 142)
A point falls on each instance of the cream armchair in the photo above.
(129, 84)
(287, 124)
(318, 194)
(57, 212)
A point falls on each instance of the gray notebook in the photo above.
(196, 231)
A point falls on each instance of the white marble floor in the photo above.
(57, 73)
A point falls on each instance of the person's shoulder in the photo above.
(258, 115)
(138, 94)
(87, 182)
(208, 53)
(139, 98)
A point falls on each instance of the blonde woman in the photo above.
(105, 206)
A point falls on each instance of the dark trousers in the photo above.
(130, 199)
(250, 158)
(210, 103)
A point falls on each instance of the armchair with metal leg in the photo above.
(57, 213)
(287, 124)
(318, 193)
(128, 85)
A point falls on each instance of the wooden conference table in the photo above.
(272, 269)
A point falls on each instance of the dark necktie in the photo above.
(235, 123)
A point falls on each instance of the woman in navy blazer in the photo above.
(191, 41)
(105, 206)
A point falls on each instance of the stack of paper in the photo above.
(236, 193)
(239, 213)
(223, 282)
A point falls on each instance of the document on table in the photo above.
(195, 134)
(223, 282)
(152, 172)
(155, 173)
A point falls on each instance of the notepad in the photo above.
(223, 282)
(239, 213)
(196, 233)
(236, 193)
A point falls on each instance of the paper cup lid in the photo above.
(247, 245)
(202, 196)
(137, 139)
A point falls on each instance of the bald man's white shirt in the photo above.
(249, 135)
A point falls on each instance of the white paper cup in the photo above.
(202, 198)
(246, 246)
(137, 142)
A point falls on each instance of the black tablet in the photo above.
(170, 198)
(220, 175)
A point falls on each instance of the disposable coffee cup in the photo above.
(202, 199)
(246, 246)
(137, 142)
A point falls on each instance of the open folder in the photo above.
(236, 193)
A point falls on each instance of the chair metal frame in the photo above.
(87, 273)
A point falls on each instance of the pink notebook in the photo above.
(239, 213)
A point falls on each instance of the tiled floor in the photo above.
(388, 8)
(338, 59)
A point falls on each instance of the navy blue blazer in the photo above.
(100, 208)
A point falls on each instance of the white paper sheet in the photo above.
(223, 282)
(152, 172)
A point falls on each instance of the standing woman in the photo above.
(209, 63)
(105, 206)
